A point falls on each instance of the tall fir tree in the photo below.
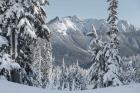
(42, 62)
(37, 60)
(98, 68)
(79, 81)
(112, 19)
(106, 59)
(63, 77)
(114, 60)
(22, 22)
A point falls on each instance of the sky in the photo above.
(128, 9)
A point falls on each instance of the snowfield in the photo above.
(9, 87)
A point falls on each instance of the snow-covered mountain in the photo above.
(62, 25)
(69, 38)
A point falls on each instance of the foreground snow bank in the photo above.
(9, 87)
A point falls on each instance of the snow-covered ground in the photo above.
(9, 87)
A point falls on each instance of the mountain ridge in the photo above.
(70, 42)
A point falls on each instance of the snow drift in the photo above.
(9, 87)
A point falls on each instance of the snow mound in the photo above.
(3, 41)
(7, 63)
(9, 87)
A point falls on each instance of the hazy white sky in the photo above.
(128, 9)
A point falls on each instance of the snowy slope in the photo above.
(69, 38)
(9, 87)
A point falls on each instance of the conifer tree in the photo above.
(76, 78)
(112, 19)
(98, 68)
(56, 77)
(63, 76)
(42, 61)
(37, 60)
(113, 58)
(79, 79)
(22, 22)
(105, 55)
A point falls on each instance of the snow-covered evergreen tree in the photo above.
(112, 19)
(42, 61)
(47, 62)
(6, 63)
(98, 68)
(76, 78)
(112, 53)
(37, 60)
(105, 69)
(79, 81)
(21, 22)
(129, 72)
(107, 61)
(56, 77)
(69, 78)
(63, 77)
